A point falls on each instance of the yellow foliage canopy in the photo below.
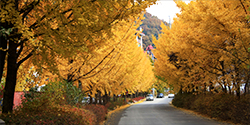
(208, 41)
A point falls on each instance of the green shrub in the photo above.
(64, 93)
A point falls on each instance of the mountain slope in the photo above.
(151, 26)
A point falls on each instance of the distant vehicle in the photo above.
(150, 97)
(170, 95)
(160, 95)
(87, 100)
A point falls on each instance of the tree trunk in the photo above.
(99, 97)
(125, 97)
(90, 100)
(180, 91)
(108, 97)
(95, 99)
(114, 98)
(238, 89)
(229, 90)
(246, 88)
(222, 88)
(205, 88)
(3, 45)
(105, 99)
(2, 57)
(11, 78)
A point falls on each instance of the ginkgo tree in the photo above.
(206, 47)
(112, 68)
(39, 30)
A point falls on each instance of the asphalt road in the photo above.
(160, 112)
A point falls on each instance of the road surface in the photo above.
(160, 112)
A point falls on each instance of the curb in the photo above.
(2, 122)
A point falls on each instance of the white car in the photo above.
(170, 95)
(150, 97)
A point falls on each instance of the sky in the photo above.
(165, 9)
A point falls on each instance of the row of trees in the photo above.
(81, 41)
(207, 47)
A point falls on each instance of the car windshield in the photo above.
(150, 95)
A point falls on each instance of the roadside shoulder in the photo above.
(113, 117)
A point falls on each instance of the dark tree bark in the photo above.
(105, 99)
(180, 91)
(11, 78)
(205, 88)
(125, 97)
(99, 97)
(3, 45)
(114, 98)
(229, 90)
(90, 100)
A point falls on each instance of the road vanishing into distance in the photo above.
(160, 112)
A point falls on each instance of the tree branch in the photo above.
(243, 6)
(27, 9)
(95, 67)
(21, 48)
(25, 58)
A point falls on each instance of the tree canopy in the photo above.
(43, 32)
(207, 47)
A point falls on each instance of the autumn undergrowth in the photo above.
(60, 104)
(99, 110)
(44, 112)
(133, 100)
(120, 102)
(224, 107)
(115, 104)
(53, 106)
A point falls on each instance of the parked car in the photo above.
(150, 97)
(87, 100)
(160, 95)
(170, 95)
